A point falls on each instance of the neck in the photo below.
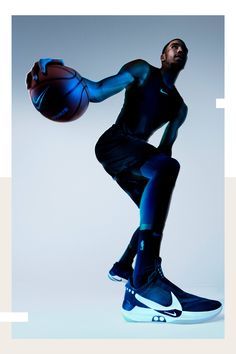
(169, 76)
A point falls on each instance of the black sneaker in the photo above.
(120, 273)
(159, 300)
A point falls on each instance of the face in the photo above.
(175, 55)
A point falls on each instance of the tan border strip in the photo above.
(29, 346)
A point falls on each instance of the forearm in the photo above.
(168, 138)
(171, 131)
(101, 90)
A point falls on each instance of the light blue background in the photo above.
(70, 220)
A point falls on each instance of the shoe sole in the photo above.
(140, 314)
(116, 278)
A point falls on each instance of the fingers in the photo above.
(40, 66)
(43, 63)
(46, 61)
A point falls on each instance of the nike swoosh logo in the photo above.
(173, 314)
(162, 91)
(38, 101)
(175, 305)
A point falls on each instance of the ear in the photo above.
(163, 57)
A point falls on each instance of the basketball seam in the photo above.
(73, 88)
(78, 107)
(57, 78)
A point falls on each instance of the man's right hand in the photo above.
(41, 66)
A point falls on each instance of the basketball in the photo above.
(61, 95)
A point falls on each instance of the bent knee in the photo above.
(160, 164)
(170, 164)
(174, 164)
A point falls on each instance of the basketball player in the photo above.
(148, 174)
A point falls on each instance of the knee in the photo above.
(160, 165)
(171, 165)
(170, 170)
(174, 165)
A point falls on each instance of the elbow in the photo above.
(185, 110)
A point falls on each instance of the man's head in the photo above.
(174, 55)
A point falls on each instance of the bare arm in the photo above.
(135, 71)
(171, 131)
(99, 91)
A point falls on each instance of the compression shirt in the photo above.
(148, 106)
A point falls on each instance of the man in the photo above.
(148, 175)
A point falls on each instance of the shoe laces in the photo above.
(158, 273)
(159, 270)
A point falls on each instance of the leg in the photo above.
(134, 186)
(162, 172)
(155, 298)
(123, 270)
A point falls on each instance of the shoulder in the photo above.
(136, 64)
(138, 68)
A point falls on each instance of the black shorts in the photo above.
(118, 152)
